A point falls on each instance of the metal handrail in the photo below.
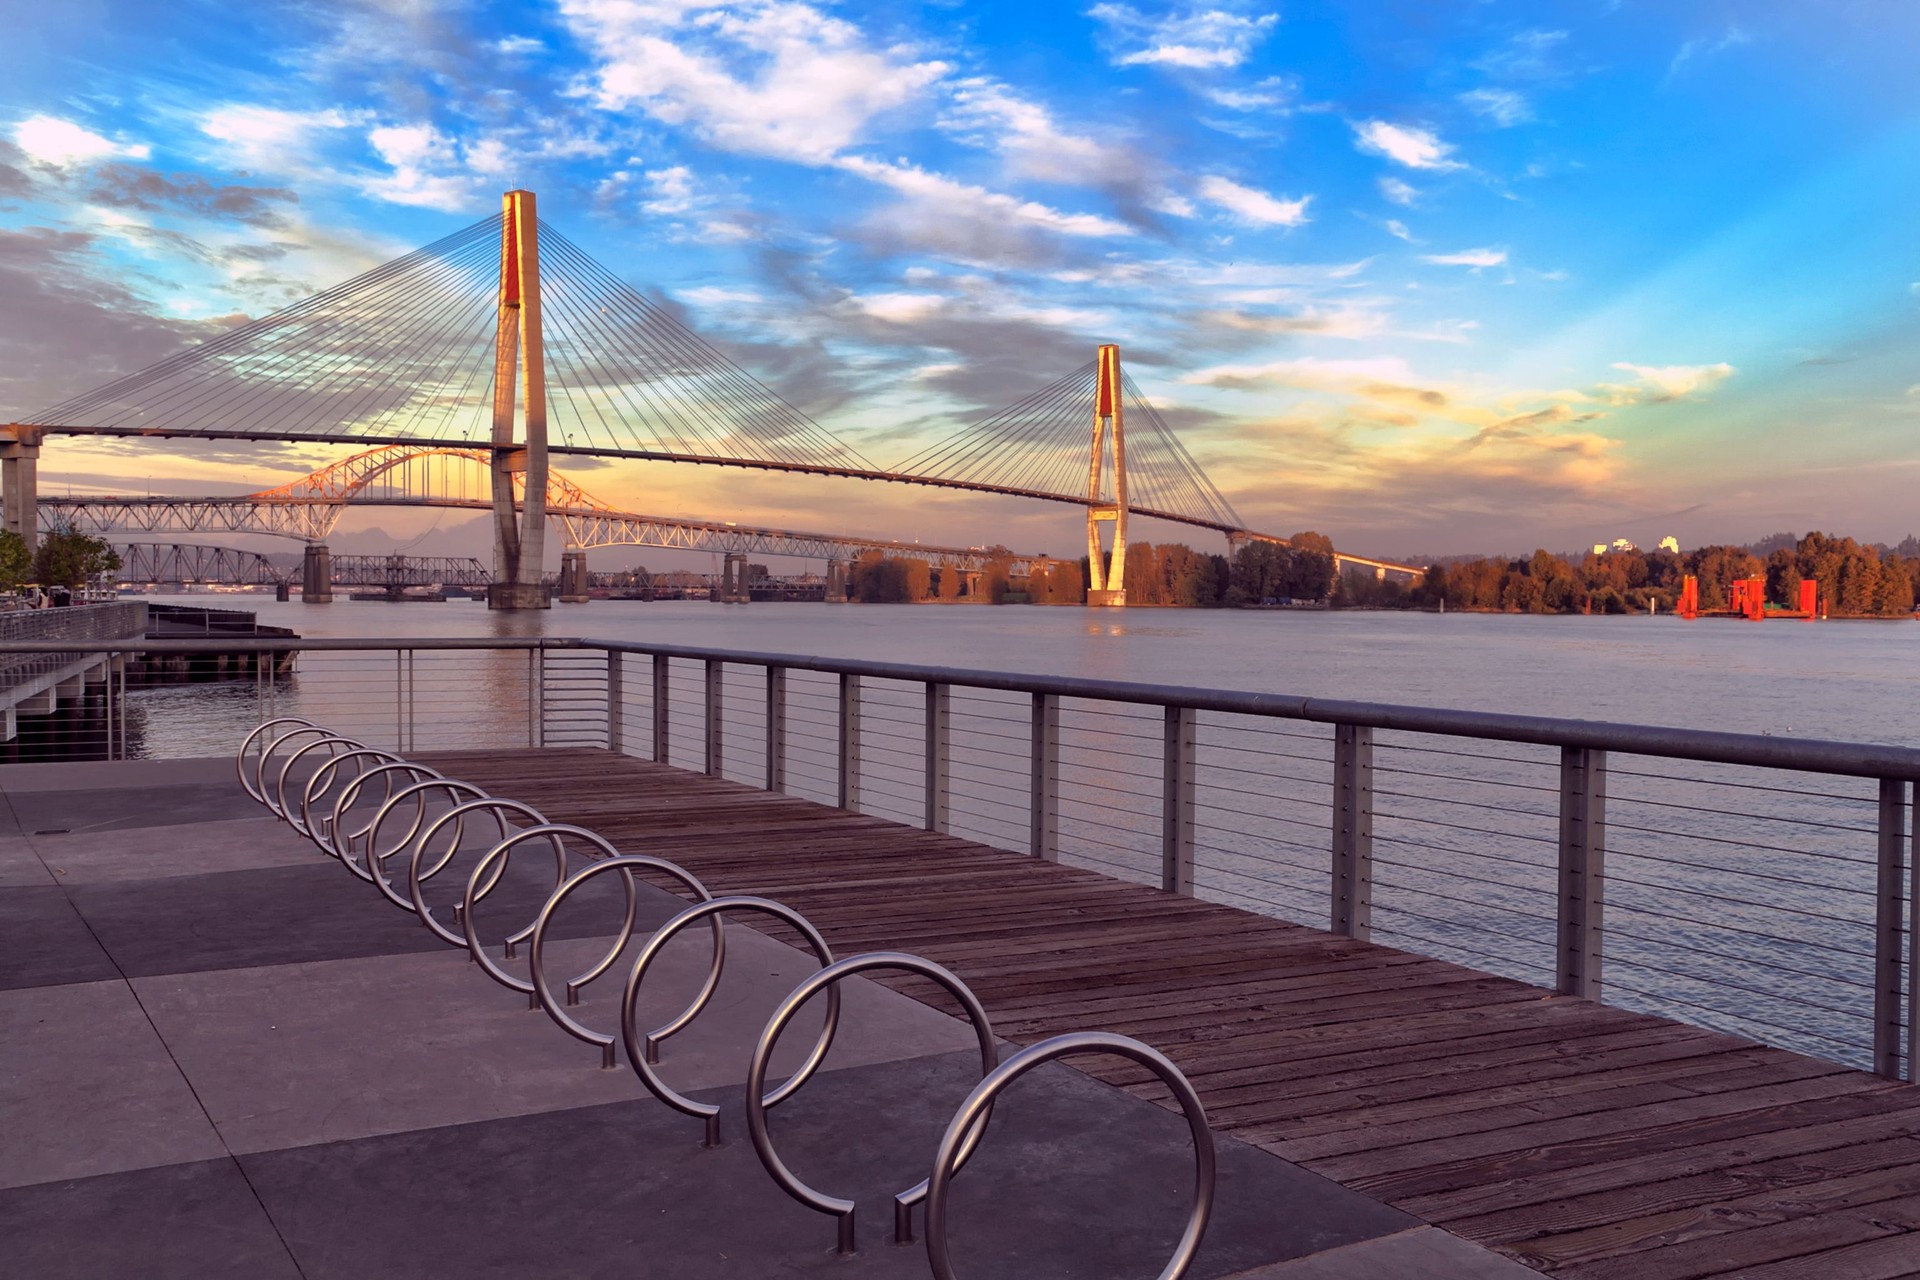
(1807, 755)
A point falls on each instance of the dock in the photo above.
(223, 1056)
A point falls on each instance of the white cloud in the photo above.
(959, 200)
(1502, 106)
(1253, 205)
(1706, 47)
(1405, 144)
(65, 145)
(1658, 384)
(1308, 373)
(673, 191)
(426, 169)
(777, 79)
(1399, 192)
(1194, 39)
(519, 46)
(1275, 93)
(1475, 258)
(1027, 134)
(263, 138)
(1398, 229)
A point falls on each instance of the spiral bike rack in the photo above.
(324, 779)
(252, 784)
(960, 1137)
(272, 793)
(964, 1132)
(418, 873)
(494, 865)
(335, 746)
(341, 842)
(376, 858)
(626, 864)
(829, 978)
(643, 1052)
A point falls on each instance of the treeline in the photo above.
(1856, 580)
(1174, 574)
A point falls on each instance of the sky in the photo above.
(1430, 276)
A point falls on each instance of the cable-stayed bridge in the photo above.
(508, 338)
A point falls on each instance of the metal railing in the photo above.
(1758, 885)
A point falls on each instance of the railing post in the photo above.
(661, 683)
(537, 695)
(849, 771)
(616, 704)
(715, 722)
(1352, 830)
(1889, 918)
(1043, 794)
(1583, 847)
(776, 728)
(1176, 800)
(939, 740)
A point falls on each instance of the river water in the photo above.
(1740, 899)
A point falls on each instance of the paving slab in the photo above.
(1076, 1180)
(298, 914)
(119, 775)
(195, 1221)
(46, 942)
(182, 849)
(86, 1087)
(128, 808)
(20, 865)
(1423, 1253)
(287, 1055)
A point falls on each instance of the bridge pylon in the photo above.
(519, 360)
(1106, 583)
(19, 481)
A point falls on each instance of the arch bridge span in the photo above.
(452, 477)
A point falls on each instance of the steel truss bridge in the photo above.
(410, 476)
(192, 564)
(506, 341)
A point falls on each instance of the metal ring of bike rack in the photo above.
(757, 1106)
(946, 1161)
(374, 860)
(331, 743)
(252, 784)
(266, 757)
(416, 876)
(536, 960)
(333, 842)
(552, 833)
(314, 828)
(642, 1053)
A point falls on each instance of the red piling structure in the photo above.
(1690, 597)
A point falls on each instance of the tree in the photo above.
(16, 562)
(68, 558)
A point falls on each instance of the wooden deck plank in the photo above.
(1585, 1141)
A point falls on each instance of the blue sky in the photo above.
(1431, 277)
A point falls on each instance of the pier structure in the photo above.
(1391, 1091)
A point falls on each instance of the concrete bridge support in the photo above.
(1106, 577)
(20, 482)
(519, 361)
(316, 575)
(573, 576)
(836, 582)
(733, 580)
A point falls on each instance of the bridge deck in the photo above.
(1582, 1140)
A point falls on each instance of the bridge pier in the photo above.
(316, 575)
(836, 582)
(733, 580)
(573, 576)
(20, 482)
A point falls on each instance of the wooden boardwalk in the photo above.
(1584, 1141)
